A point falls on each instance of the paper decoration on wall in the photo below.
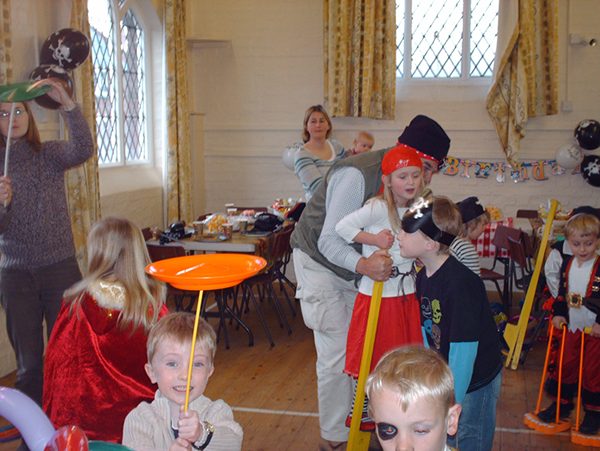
(521, 172)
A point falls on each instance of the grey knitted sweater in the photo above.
(35, 230)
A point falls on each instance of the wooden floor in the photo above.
(273, 392)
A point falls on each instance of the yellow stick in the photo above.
(359, 440)
(192, 352)
(515, 336)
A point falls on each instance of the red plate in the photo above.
(206, 271)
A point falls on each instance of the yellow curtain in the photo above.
(179, 183)
(5, 43)
(526, 71)
(360, 58)
(83, 193)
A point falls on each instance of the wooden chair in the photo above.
(500, 241)
(264, 283)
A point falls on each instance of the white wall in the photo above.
(257, 65)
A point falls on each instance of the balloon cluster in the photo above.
(586, 137)
(587, 134)
(62, 51)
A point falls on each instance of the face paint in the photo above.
(386, 431)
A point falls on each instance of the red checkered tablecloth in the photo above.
(484, 245)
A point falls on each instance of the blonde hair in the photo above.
(483, 219)
(311, 110)
(446, 216)
(585, 224)
(365, 134)
(179, 326)
(117, 253)
(33, 135)
(413, 373)
(388, 197)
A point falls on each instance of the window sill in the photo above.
(122, 179)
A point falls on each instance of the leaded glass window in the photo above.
(453, 39)
(118, 56)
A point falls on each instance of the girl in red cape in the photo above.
(94, 367)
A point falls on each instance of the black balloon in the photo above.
(587, 134)
(67, 48)
(48, 71)
(590, 169)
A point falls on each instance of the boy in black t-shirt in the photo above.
(455, 317)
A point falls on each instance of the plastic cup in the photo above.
(243, 225)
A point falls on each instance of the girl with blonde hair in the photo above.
(375, 226)
(94, 367)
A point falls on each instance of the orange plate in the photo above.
(207, 271)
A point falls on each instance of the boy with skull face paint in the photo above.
(456, 318)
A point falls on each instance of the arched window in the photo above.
(446, 39)
(120, 79)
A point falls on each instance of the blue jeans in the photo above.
(477, 421)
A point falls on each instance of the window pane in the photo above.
(436, 39)
(484, 34)
(132, 53)
(400, 20)
(103, 58)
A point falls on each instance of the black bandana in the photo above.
(420, 217)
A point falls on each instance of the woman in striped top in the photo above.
(316, 153)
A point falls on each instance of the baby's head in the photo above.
(474, 217)
(363, 142)
(411, 400)
(169, 344)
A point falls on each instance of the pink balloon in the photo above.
(27, 417)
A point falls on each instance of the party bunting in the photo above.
(517, 173)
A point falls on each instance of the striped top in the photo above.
(464, 251)
(310, 169)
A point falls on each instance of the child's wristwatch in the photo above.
(209, 430)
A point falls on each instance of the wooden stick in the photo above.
(8, 136)
(359, 440)
(7, 150)
(192, 352)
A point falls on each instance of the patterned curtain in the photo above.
(526, 71)
(5, 43)
(360, 58)
(83, 193)
(179, 183)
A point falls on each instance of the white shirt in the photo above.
(373, 218)
(579, 278)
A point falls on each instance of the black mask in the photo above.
(420, 217)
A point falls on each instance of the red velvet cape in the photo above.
(94, 371)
